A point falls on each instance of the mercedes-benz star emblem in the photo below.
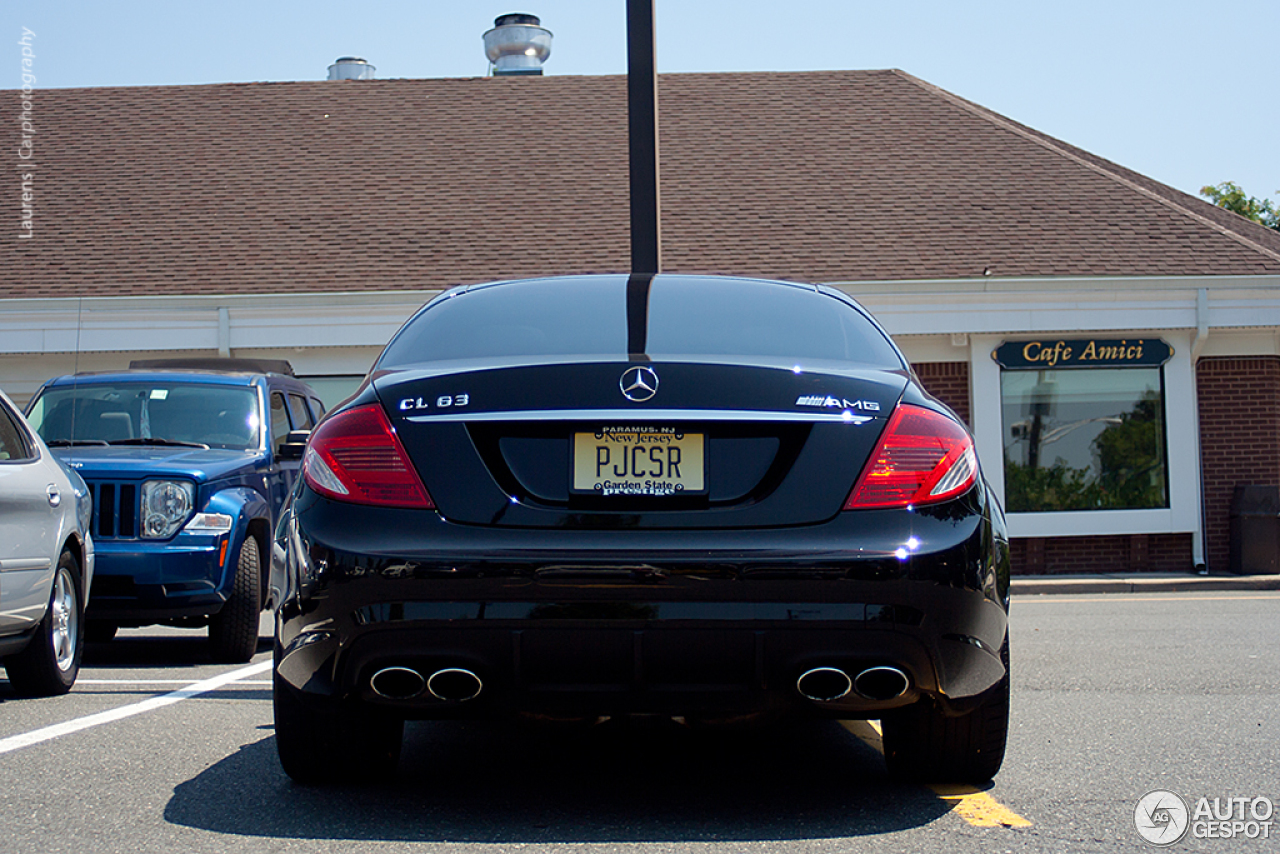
(638, 384)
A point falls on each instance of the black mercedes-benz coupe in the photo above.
(701, 497)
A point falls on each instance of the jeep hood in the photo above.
(147, 461)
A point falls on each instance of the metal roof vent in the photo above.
(517, 44)
(351, 68)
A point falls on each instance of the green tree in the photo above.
(1032, 489)
(1230, 196)
(1131, 456)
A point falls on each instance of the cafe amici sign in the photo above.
(1058, 353)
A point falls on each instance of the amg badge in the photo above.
(837, 402)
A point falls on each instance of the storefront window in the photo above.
(1084, 439)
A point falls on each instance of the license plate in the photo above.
(639, 461)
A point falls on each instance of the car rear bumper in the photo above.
(609, 622)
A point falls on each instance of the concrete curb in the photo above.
(1154, 583)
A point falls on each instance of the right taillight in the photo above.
(923, 457)
(356, 456)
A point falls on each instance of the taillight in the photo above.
(923, 457)
(355, 456)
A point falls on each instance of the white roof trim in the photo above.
(368, 319)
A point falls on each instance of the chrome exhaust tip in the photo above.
(454, 684)
(397, 683)
(824, 684)
(881, 683)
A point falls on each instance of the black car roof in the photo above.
(617, 314)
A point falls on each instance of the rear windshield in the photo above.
(685, 318)
(148, 413)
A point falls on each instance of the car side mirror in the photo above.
(293, 445)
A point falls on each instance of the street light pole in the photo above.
(642, 120)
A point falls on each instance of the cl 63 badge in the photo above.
(444, 401)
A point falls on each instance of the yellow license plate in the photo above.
(639, 461)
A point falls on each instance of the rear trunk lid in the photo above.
(639, 444)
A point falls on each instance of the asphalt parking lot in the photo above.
(1114, 696)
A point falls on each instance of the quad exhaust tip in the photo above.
(452, 684)
(828, 684)
(881, 683)
(824, 684)
(397, 683)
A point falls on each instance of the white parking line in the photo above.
(17, 742)
(160, 681)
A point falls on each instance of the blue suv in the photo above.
(189, 462)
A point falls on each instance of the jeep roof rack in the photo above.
(257, 366)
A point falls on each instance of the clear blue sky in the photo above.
(1184, 91)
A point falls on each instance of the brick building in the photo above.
(307, 220)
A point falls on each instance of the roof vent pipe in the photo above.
(351, 68)
(516, 45)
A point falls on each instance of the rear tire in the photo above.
(333, 742)
(49, 664)
(921, 744)
(233, 631)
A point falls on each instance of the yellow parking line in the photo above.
(974, 806)
(978, 808)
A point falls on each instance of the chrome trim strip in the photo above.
(639, 416)
(22, 564)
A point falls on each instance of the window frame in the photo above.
(272, 395)
(25, 441)
(1182, 448)
(1072, 372)
(298, 408)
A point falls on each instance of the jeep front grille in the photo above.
(115, 511)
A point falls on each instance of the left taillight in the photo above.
(923, 457)
(356, 456)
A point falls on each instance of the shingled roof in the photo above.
(422, 184)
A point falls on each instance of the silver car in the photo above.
(46, 561)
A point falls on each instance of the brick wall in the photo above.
(949, 382)
(1239, 437)
(1102, 554)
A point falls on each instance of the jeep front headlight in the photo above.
(166, 504)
